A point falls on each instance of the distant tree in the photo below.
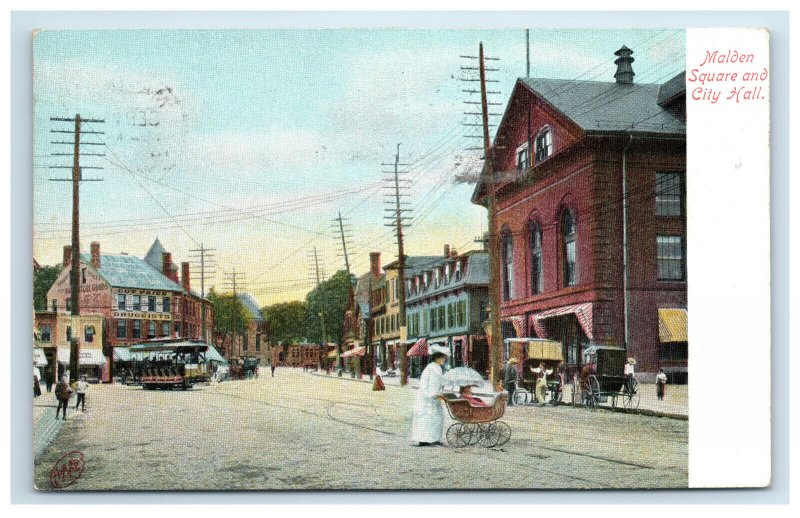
(330, 299)
(42, 282)
(285, 321)
(230, 316)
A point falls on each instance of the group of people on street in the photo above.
(64, 393)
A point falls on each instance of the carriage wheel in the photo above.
(473, 433)
(630, 397)
(503, 433)
(456, 436)
(557, 395)
(520, 397)
(592, 396)
(490, 436)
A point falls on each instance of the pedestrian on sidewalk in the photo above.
(63, 392)
(541, 382)
(81, 389)
(510, 379)
(661, 384)
(428, 419)
(48, 381)
(272, 369)
(37, 379)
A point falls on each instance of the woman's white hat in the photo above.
(632, 361)
(434, 348)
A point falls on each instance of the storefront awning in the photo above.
(583, 312)
(420, 348)
(86, 356)
(355, 351)
(673, 325)
(519, 324)
(39, 358)
(212, 355)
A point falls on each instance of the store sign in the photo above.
(144, 315)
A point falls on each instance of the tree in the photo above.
(330, 299)
(285, 321)
(230, 316)
(42, 282)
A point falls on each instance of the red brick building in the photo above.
(564, 153)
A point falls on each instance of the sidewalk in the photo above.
(45, 426)
(675, 404)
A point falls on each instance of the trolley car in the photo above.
(168, 365)
(602, 378)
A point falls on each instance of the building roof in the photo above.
(128, 271)
(603, 106)
(251, 306)
(475, 274)
(415, 264)
(155, 256)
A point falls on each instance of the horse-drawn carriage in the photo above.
(539, 354)
(603, 377)
(244, 367)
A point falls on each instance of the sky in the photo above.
(251, 142)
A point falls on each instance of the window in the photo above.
(122, 328)
(44, 333)
(151, 303)
(458, 271)
(442, 321)
(447, 274)
(508, 266)
(137, 302)
(396, 288)
(165, 305)
(670, 258)
(68, 304)
(258, 343)
(245, 345)
(177, 329)
(544, 144)
(436, 279)
(54, 304)
(83, 275)
(88, 334)
(523, 157)
(669, 194)
(569, 231)
(121, 301)
(165, 329)
(151, 329)
(425, 322)
(136, 330)
(537, 277)
(434, 319)
(451, 316)
(69, 333)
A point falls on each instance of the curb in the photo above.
(44, 433)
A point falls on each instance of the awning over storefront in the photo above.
(122, 354)
(39, 358)
(420, 348)
(212, 355)
(86, 356)
(355, 351)
(519, 324)
(582, 311)
(673, 325)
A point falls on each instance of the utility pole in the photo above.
(75, 266)
(339, 221)
(399, 222)
(233, 283)
(206, 261)
(322, 312)
(495, 347)
(527, 53)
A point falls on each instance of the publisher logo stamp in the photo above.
(67, 470)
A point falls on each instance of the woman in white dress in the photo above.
(428, 419)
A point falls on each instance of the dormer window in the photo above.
(458, 271)
(523, 157)
(447, 274)
(544, 144)
(436, 278)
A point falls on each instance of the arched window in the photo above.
(537, 278)
(508, 266)
(569, 230)
(544, 144)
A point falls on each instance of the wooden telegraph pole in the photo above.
(496, 345)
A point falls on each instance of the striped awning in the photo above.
(673, 325)
(420, 348)
(582, 311)
(355, 351)
(519, 324)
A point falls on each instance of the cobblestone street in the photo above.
(299, 431)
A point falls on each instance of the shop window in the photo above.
(44, 333)
(569, 230)
(136, 330)
(537, 277)
(544, 144)
(88, 333)
(669, 194)
(671, 266)
(673, 351)
(122, 328)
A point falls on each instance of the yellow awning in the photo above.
(673, 325)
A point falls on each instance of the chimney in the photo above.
(95, 247)
(67, 260)
(166, 264)
(375, 263)
(624, 75)
(185, 276)
(447, 250)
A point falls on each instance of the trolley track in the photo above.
(504, 458)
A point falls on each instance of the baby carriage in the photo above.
(477, 425)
